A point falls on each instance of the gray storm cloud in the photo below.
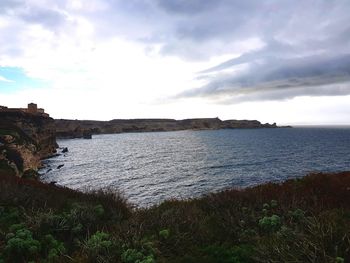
(306, 49)
(277, 78)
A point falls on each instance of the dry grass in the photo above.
(302, 220)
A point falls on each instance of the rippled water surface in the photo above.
(151, 167)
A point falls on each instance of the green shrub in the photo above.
(297, 214)
(135, 256)
(74, 223)
(273, 204)
(21, 246)
(99, 211)
(98, 245)
(52, 248)
(266, 206)
(9, 216)
(164, 234)
(132, 256)
(270, 223)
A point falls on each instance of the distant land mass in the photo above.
(86, 128)
(28, 135)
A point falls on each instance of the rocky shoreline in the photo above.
(25, 139)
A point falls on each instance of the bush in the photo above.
(273, 203)
(74, 223)
(21, 246)
(98, 246)
(164, 234)
(270, 223)
(235, 254)
(52, 248)
(297, 214)
(135, 256)
(9, 216)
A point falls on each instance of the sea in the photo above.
(148, 168)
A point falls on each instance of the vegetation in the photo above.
(301, 220)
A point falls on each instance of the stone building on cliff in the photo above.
(32, 109)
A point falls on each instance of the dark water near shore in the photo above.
(151, 167)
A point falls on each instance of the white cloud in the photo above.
(5, 79)
(123, 59)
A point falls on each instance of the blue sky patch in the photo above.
(13, 79)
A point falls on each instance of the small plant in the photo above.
(99, 211)
(273, 204)
(266, 206)
(132, 256)
(98, 244)
(297, 214)
(339, 260)
(164, 234)
(144, 254)
(270, 223)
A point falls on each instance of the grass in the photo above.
(301, 220)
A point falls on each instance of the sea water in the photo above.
(148, 168)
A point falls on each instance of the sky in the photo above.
(281, 61)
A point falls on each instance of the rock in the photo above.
(26, 139)
(65, 149)
(60, 166)
(87, 135)
(53, 156)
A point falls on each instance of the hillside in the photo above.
(301, 220)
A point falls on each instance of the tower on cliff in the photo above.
(32, 108)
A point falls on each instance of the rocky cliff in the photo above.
(25, 139)
(81, 128)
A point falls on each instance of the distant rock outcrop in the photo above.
(85, 128)
(25, 139)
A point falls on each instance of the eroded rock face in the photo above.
(25, 139)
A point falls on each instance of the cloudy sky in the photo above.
(281, 61)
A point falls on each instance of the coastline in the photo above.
(86, 128)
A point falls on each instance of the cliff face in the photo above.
(79, 128)
(25, 139)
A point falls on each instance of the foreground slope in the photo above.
(301, 220)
